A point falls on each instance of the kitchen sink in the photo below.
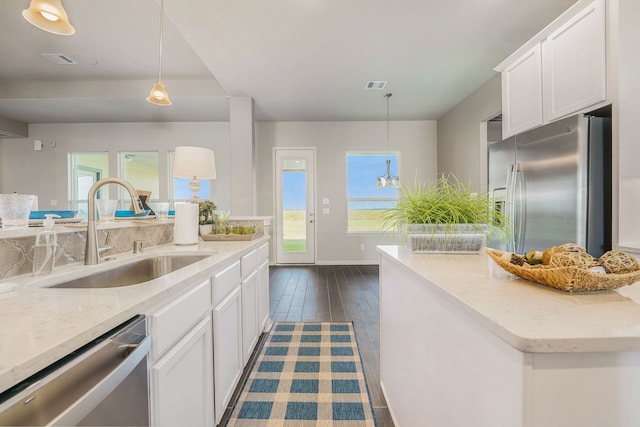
(133, 273)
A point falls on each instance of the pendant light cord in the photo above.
(388, 95)
(388, 180)
(160, 44)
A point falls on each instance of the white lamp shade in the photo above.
(49, 15)
(189, 162)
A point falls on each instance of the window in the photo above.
(141, 169)
(294, 205)
(365, 201)
(84, 170)
(179, 188)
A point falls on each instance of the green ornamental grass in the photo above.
(444, 201)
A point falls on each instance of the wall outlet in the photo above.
(325, 211)
(325, 201)
(53, 203)
(362, 246)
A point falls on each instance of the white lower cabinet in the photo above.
(202, 339)
(227, 348)
(263, 296)
(182, 381)
(250, 331)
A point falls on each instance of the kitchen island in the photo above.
(462, 343)
(223, 297)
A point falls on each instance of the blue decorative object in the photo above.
(62, 214)
(128, 214)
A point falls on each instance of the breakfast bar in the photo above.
(464, 343)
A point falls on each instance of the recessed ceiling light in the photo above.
(375, 85)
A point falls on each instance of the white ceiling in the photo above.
(300, 60)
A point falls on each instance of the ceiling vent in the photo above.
(60, 58)
(376, 85)
(8, 134)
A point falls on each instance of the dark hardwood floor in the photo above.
(330, 293)
(336, 293)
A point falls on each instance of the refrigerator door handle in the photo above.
(519, 211)
(510, 208)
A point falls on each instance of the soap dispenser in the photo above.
(44, 250)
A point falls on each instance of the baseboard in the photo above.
(354, 262)
(386, 399)
(341, 262)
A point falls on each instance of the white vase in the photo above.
(206, 229)
(447, 238)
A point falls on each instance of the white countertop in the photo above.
(529, 317)
(39, 325)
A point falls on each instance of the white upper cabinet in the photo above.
(522, 93)
(574, 63)
(559, 72)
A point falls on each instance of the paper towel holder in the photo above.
(185, 225)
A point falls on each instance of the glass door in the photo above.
(295, 211)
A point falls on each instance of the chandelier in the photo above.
(388, 180)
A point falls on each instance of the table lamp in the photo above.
(196, 163)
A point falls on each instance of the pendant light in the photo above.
(388, 180)
(49, 15)
(158, 94)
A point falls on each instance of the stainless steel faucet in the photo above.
(92, 251)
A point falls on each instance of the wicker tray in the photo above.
(230, 236)
(568, 279)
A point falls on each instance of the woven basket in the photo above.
(568, 279)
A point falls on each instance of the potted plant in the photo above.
(205, 219)
(444, 216)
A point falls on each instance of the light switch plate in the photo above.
(325, 211)
(325, 201)
(37, 145)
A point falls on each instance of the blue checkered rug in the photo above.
(306, 375)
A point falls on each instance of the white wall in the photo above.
(460, 134)
(44, 173)
(626, 130)
(416, 141)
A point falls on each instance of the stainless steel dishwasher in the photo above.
(103, 383)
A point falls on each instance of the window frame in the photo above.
(76, 201)
(123, 195)
(383, 155)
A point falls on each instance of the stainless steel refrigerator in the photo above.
(554, 183)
